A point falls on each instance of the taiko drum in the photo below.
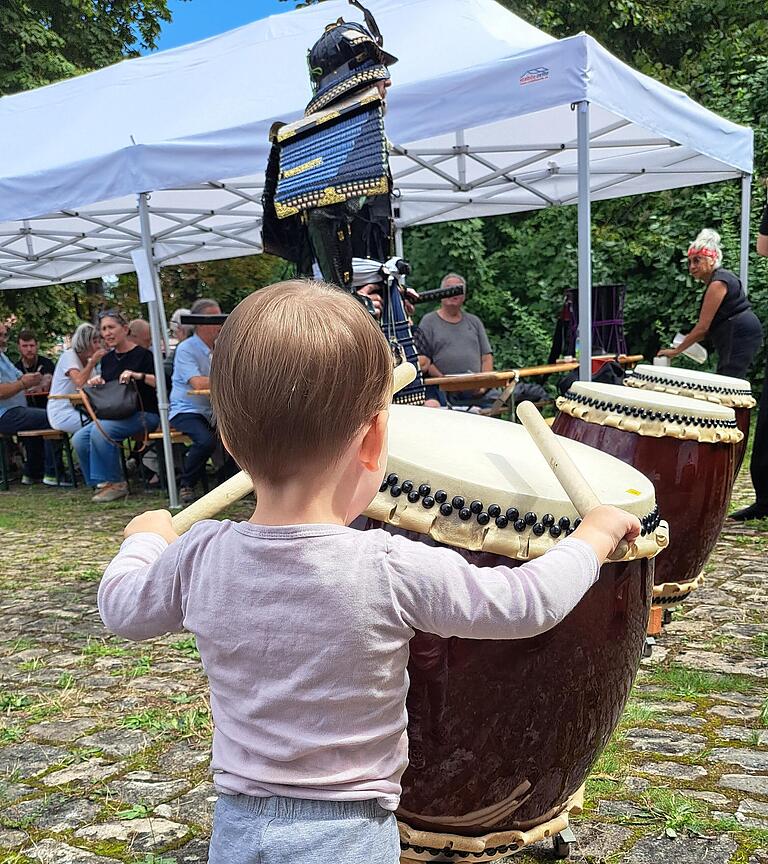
(733, 393)
(501, 732)
(686, 447)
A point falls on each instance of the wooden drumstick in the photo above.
(576, 486)
(240, 485)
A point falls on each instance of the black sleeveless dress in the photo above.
(735, 332)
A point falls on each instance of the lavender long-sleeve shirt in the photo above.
(303, 631)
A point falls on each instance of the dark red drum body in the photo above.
(503, 732)
(692, 478)
(735, 393)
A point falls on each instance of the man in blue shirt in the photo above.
(15, 416)
(192, 415)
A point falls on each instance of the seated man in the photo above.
(17, 416)
(140, 333)
(192, 414)
(31, 361)
(454, 342)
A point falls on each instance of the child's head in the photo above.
(299, 370)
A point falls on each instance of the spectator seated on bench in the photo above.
(192, 415)
(17, 416)
(98, 444)
(73, 369)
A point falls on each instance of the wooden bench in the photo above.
(54, 435)
(507, 406)
(176, 437)
(48, 434)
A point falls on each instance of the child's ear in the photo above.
(373, 445)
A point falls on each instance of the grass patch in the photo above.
(187, 647)
(91, 574)
(103, 648)
(31, 665)
(11, 734)
(135, 811)
(673, 811)
(636, 714)
(613, 763)
(66, 681)
(10, 701)
(151, 858)
(45, 709)
(190, 723)
(141, 667)
(16, 858)
(21, 644)
(692, 683)
(760, 644)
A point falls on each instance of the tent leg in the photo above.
(585, 244)
(157, 337)
(399, 242)
(746, 202)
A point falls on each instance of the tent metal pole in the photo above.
(399, 241)
(746, 203)
(585, 244)
(155, 326)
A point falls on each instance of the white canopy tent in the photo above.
(487, 115)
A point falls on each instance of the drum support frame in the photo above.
(419, 846)
(671, 594)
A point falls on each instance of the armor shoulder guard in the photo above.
(333, 155)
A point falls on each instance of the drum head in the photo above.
(720, 389)
(648, 412)
(481, 484)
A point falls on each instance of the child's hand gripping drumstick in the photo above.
(237, 487)
(609, 528)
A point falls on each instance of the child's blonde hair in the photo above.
(297, 369)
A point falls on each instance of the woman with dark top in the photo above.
(725, 316)
(97, 444)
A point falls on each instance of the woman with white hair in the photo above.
(725, 316)
(73, 370)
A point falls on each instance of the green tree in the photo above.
(44, 41)
(714, 50)
(47, 40)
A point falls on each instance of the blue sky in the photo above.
(198, 19)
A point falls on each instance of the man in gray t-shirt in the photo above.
(451, 341)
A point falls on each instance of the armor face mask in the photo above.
(347, 57)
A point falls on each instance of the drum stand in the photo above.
(666, 597)
(419, 846)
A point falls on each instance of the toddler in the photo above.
(303, 623)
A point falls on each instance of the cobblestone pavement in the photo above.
(104, 744)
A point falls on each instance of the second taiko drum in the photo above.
(733, 393)
(686, 447)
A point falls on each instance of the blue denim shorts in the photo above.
(277, 830)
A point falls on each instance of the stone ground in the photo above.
(104, 743)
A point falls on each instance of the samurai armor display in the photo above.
(332, 156)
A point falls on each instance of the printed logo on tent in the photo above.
(540, 73)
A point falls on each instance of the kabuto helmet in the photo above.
(345, 58)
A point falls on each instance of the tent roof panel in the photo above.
(481, 118)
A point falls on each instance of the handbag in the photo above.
(112, 400)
